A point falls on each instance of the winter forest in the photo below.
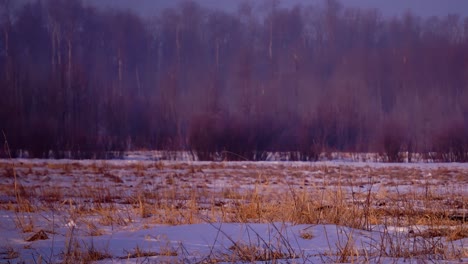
(82, 81)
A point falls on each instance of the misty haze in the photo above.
(223, 131)
(84, 81)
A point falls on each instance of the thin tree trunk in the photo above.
(120, 70)
(69, 67)
(217, 55)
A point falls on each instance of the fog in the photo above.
(387, 8)
(82, 81)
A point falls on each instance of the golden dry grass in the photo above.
(101, 194)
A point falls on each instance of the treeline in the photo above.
(82, 82)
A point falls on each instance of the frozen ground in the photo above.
(209, 212)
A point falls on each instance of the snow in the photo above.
(195, 242)
(213, 239)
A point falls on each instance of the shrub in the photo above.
(203, 135)
(393, 140)
(451, 143)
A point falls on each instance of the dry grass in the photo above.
(304, 200)
(8, 253)
(450, 233)
(247, 252)
(80, 253)
(183, 193)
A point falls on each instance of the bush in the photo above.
(451, 143)
(393, 140)
(222, 137)
(203, 136)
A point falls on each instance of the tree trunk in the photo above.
(120, 71)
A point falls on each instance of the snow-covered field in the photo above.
(142, 211)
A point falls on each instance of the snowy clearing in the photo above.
(131, 211)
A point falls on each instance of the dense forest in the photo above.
(81, 81)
